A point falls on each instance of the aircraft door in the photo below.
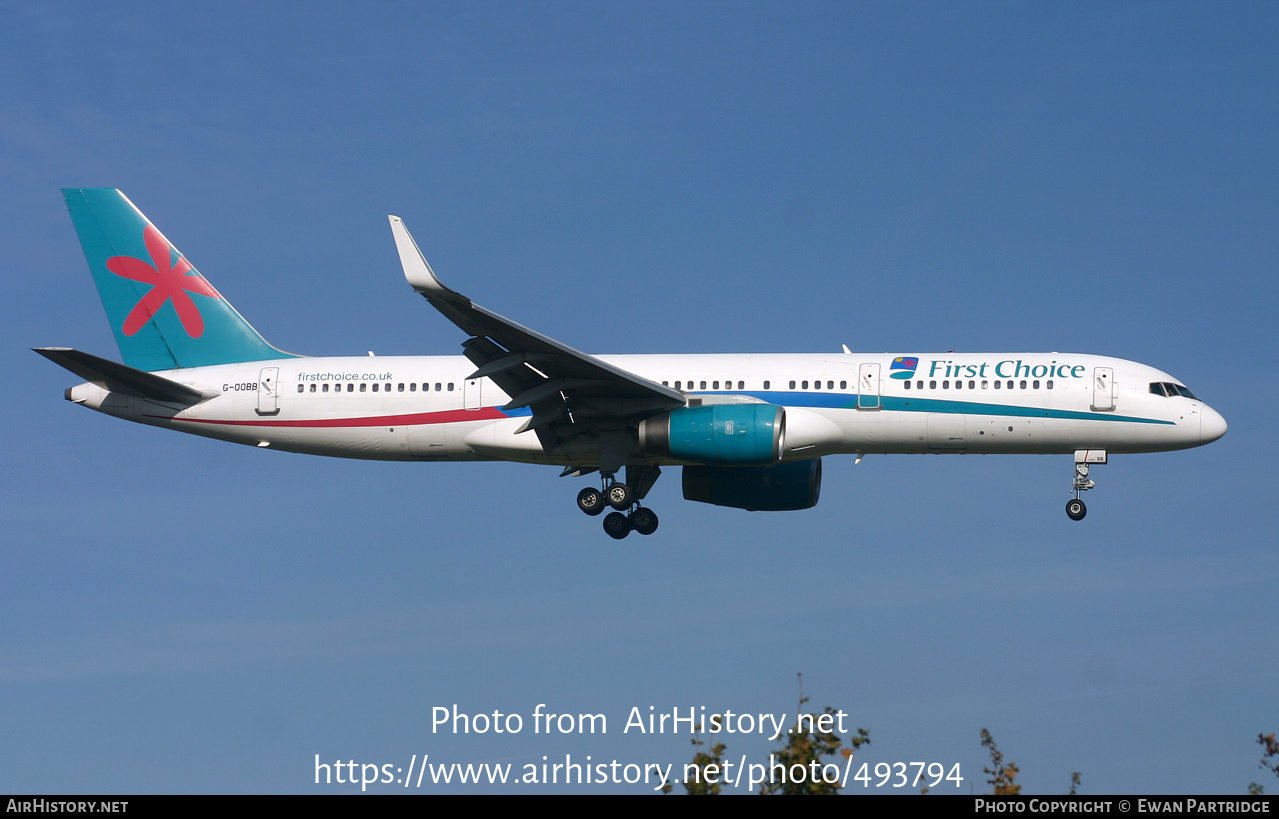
(868, 387)
(947, 431)
(1103, 389)
(268, 391)
(471, 393)
(428, 440)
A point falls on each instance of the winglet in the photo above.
(416, 270)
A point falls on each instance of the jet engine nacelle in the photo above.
(779, 488)
(719, 434)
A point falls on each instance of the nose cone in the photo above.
(1211, 425)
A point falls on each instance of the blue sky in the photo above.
(181, 615)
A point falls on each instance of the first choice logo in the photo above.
(905, 367)
(1008, 368)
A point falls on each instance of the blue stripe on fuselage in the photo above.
(841, 400)
(893, 403)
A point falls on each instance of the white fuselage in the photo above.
(425, 408)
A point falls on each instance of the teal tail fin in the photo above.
(162, 311)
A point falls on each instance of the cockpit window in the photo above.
(1171, 390)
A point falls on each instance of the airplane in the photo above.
(749, 431)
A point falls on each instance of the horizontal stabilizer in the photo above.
(121, 378)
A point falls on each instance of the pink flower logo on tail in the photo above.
(170, 283)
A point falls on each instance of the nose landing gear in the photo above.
(1075, 508)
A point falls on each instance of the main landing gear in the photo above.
(625, 498)
(1075, 508)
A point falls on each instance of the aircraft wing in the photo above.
(569, 392)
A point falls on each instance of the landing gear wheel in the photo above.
(644, 520)
(617, 525)
(1075, 509)
(619, 496)
(590, 501)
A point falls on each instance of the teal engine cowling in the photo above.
(720, 434)
(778, 488)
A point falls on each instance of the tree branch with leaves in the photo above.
(1269, 760)
(1003, 776)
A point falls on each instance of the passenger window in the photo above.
(301, 387)
(715, 385)
(972, 385)
(998, 384)
(945, 385)
(959, 385)
(325, 388)
(413, 387)
(830, 385)
(1010, 385)
(1023, 385)
(363, 387)
(375, 387)
(766, 383)
(312, 388)
(932, 385)
(792, 385)
(843, 385)
(450, 386)
(919, 385)
(907, 385)
(805, 384)
(350, 388)
(677, 383)
(703, 386)
(1049, 384)
(400, 388)
(664, 384)
(983, 384)
(817, 385)
(741, 385)
(1035, 384)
